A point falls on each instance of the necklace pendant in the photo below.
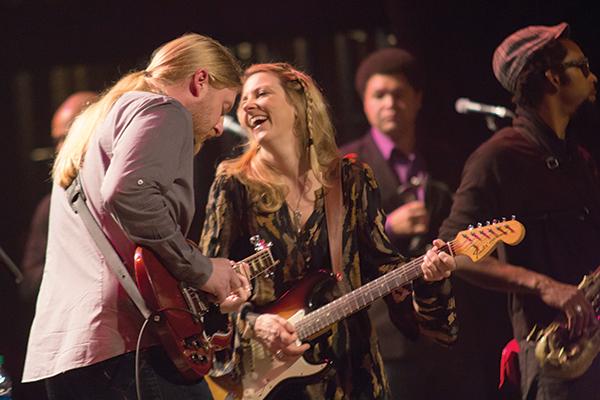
(297, 220)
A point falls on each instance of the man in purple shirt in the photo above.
(389, 82)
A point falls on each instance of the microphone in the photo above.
(465, 106)
(230, 124)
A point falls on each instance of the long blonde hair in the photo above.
(312, 126)
(170, 64)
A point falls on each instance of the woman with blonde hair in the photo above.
(278, 189)
(133, 152)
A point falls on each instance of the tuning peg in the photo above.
(513, 217)
(487, 223)
(470, 227)
(503, 219)
(479, 224)
(258, 243)
(494, 221)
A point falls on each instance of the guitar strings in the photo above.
(263, 257)
(311, 323)
(319, 319)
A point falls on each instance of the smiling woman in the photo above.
(278, 189)
(265, 107)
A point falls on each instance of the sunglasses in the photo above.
(583, 64)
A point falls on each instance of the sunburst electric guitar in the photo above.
(179, 309)
(263, 374)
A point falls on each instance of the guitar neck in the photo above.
(259, 263)
(360, 298)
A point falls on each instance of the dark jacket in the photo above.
(438, 198)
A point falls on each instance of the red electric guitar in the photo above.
(179, 309)
(263, 374)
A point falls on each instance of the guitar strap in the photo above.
(77, 200)
(334, 211)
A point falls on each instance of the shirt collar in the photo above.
(529, 120)
(386, 145)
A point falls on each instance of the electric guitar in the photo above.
(263, 374)
(179, 309)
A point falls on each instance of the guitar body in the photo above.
(181, 333)
(264, 375)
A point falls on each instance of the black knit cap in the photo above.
(388, 61)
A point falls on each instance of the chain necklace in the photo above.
(296, 213)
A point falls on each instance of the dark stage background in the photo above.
(54, 47)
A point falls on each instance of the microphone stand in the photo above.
(492, 119)
(11, 266)
(490, 122)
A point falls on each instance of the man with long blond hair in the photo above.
(133, 150)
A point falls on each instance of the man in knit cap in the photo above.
(536, 171)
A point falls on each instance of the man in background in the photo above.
(390, 84)
(35, 247)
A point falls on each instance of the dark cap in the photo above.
(388, 61)
(516, 50)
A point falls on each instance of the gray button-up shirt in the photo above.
(137, 175)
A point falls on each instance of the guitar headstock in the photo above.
(259, 263)
(259, 243)
(478, 242)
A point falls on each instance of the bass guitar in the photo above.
(263, 373)
(179, 309)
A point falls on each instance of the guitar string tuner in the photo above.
(479, 224)
(470, 227)
(503, 219)
(513, 217)
(487, 223)
(257, 242)
(494, 221)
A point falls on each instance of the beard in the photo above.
(203, 129)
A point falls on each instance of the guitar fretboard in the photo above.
(360, 298)
(259, 263)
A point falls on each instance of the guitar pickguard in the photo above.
(266, 372)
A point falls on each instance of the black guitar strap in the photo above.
(77, 200)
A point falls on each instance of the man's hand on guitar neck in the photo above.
(229, 288)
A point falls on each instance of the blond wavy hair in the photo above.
(312, 126)
(170, 64)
